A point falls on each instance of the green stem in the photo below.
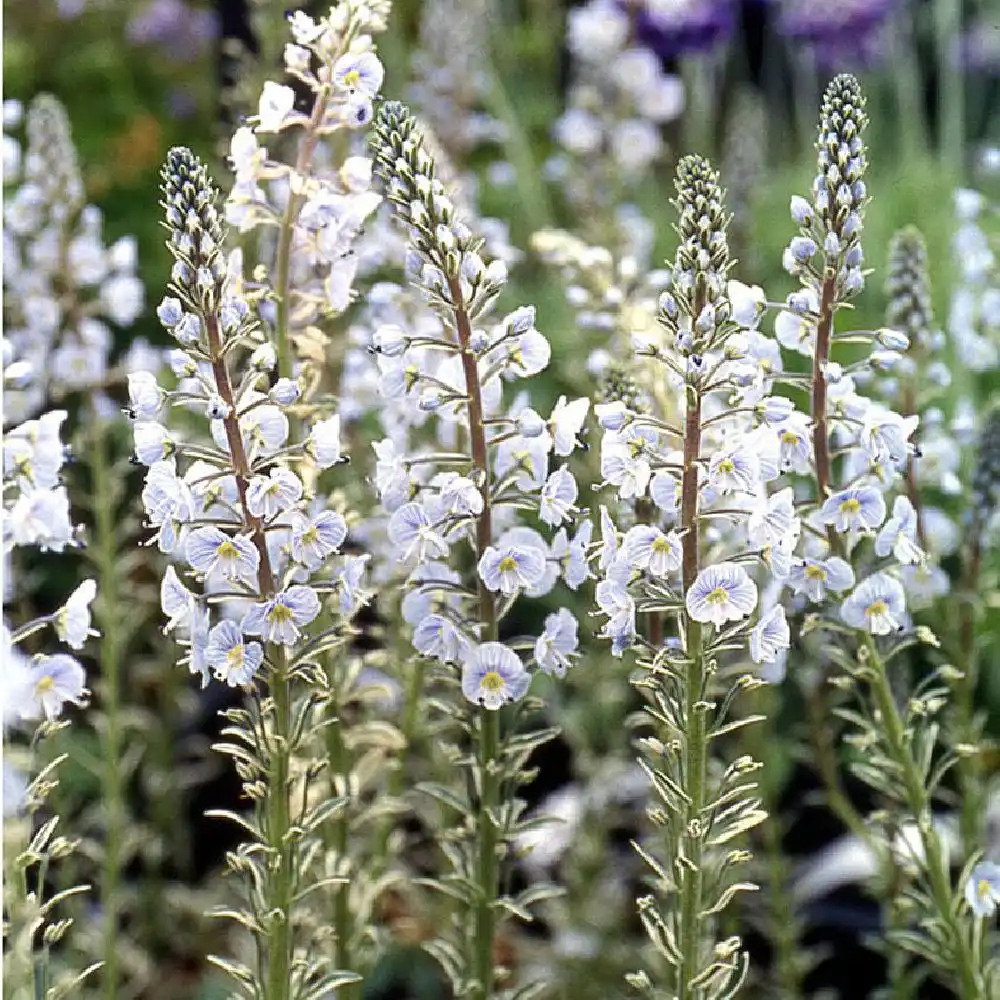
(489, 722)
(337, 830)
(951, 85)
(963, 965)
(695, 737)
(279, 935)
(106, 551)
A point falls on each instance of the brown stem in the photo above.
(241, 465)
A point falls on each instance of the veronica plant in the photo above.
(451, 525)
(36, 688)
(859, 451)
(696, 530)
(228, 505)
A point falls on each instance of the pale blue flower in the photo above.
(510, 568)
(152, 442)
(359, 73)
(268, 496)
(609, 540)
(459, 494)
(493, 675)
(176, 600)
(624, 464)
(558, 497)
(316, 538)
(281, 619)
(665, 489)
(51, 682)
(411, 531)
(770, 636)
(773, 520)
(885, 436)
(555, 647)
(814, 577)
(649, 549)
(720, 594)
(736, 468)
(145, 397)
(230, 657)
(572, 555)
(437, 636)
(235, 556)
(795, 439)
(858, 508)
(878, 604)
(614, 600)
(430, 587)
(348, 580)
(899, 535)
(982, 890)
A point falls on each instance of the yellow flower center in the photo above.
(877, 608)
(815, 573)
(727, 466)
(235, 656)
(492, 681)
(508, 564)
(44, 685)
(984, 889)
(789, 437)
(718, 596)
(352, 78)
(850, 506)
(661, 544)
(280, 613)
(227, 550)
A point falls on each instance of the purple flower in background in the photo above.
(180, 29)
(846, 31)
(672, 27)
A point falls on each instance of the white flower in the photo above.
(558, 497)
(982, 890)
(859, 508)
(720, 594)
(324, 441)
(73, 619)
(566, 422)
(276, 102)
(734, 468)
(899, 535)
(313, 539)
(153, 442)
(624, 464)
(176, 600)
(878, 604)
(813, 577)
(438, 636)
(40, 517)
(773, 519)
(145, 397)
(555, 647)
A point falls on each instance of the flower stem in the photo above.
(489, 722)
(106, 553)
(695, 757)
(898, 743)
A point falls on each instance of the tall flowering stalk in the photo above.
(697, 527)
(453, 471)
(239, 521)
(874, 444)
(36, 687)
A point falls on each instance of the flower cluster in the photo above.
(617, 102)
(457, 465)
(316, 203)
(62, 285)
(698, 534)
(228, 503)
